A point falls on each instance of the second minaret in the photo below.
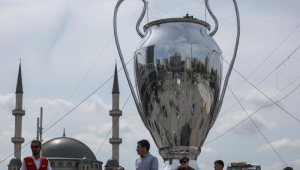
(115, 113)
(18, 112)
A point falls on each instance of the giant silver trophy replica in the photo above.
(178, 74)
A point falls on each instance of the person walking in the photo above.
(36, 162)
(146, 161)
(184, 164)
(219, 165)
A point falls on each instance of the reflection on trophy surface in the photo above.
(178, 80)
(178, 72)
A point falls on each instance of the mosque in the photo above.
(66, 153)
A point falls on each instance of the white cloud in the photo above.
(7, 102)
(59, 41)
(275, 166)
(93, 142)
(297, 162)
(279, 144)
(6, 136)
(94, 104)
(129, 129)
(102, 129)
(207, 150)
(54, 104)
(204, 166)
(229, 120)
(257, 98)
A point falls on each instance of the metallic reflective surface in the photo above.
(137, 27)
(178, 72)
(122, 60)
(219, 105)
(214, 18)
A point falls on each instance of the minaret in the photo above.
(115, 113)
(18, 112)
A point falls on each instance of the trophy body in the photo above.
(178, 73)
(177, 92)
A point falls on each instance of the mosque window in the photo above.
(77, 164)
(60, 164)
(87, 167)
(52, 164)
(96, 166)
(92, 166)
(69, 164)
(82, 167)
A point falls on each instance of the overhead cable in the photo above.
(250, 116)
(257, 127)
(255, 87)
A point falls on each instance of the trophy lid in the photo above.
(172, 20)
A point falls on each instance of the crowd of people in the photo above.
(146, 161)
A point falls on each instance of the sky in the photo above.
(68, 52)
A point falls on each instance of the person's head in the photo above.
(219, 164)
(36, 147)
(121, 168)
(184, 161)
(288, 168)
(143, 147)
(107, 167)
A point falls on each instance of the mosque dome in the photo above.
(85, 160)
(65, 147)
(112, 162)
(15, 161)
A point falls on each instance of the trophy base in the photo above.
(174, 163)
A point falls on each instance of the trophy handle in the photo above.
(140, 20)
(220, 101)
(124, 64)
(214, 18)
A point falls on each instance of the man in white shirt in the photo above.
(36, 162)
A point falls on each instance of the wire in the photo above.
(255, 87)
(265, 94)
(250, 116)
(257, 127)
(83, 77)
(161, 9)
(195, 7)
(269, 60)
(81, 80)
(157, 12)
(265, 61)
(112, 125)
(197, 10)
(69, 111)
(250, 33)
(151, 14)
